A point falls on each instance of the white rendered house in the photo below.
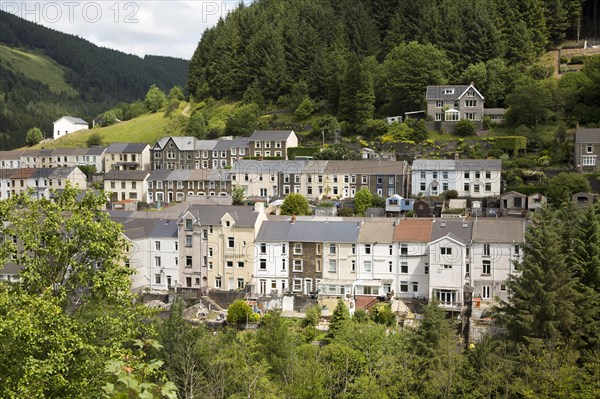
(67, 125)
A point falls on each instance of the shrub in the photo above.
(451, 194)
(239, 312)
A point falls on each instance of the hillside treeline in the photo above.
(100, 77)
(377, 52)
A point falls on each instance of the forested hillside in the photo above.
(375, 57)
(98, 78)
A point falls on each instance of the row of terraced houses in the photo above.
(241, 248)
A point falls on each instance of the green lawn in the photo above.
(35, 65)
(147, 128)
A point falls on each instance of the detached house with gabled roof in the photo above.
(67, 125)
(587, 149)
(447, 104)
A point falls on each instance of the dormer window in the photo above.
(448, 91)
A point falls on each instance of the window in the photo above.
(157, 245)
(263, 248)
(485, 292)
(415, 285)
(446, 250)
(364, 179)
(240, 283)
(188, 261)
(439, 117)
(488, 187)
(283, 249)
(283, 264)
(488, 174)
(332, 266)
(486, 249)
(503, 287)
(157, 261)
(229, 264)
(176, 245)
(476, 188)
(297, 265)
(403, 249)
(367, 266)
(230, 242)
(446, 297)
(353, 266)
(188, 224)
(446, 266)
(448, 91)
(470, 93)
(332, 249)
(444, 187)
(404, 267)
(368, 249)
(297, 248)
(240, 265)
(297, 284)
(589, 160)
(466, 187)
(439, 104)
(390, 266)
(217, 282)
(487, 268)
(517, 250)
(467, 174)
(353, 250)
(423, 187)
(157, 278)
(426, 269)
(318, 265)
(471, 103)
(188, 241)
(471, 116)
(589, 148)
(403, 286)
(263, 264)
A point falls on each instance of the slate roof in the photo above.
(413, 230)
(138, 175)
(126, 148)
(499, 230)
(585, 135)
(437, 92)
(271, 135)
(381, 232)
(307, 231)
(237, 142)
(366, 167)
(459, 230)
(73, 120)
(433, 164)
(315, 167)
(494, 111)
(59, 173)
(211, 215)
(10, 155)
(478, 164)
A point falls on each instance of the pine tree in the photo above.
(544, 297)
(339, 318)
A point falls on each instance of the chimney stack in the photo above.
(293, 219)
(456, 156)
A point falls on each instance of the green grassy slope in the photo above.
(147, 128)
(37, 66)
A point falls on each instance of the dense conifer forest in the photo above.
(99, 78)
(374, 58)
